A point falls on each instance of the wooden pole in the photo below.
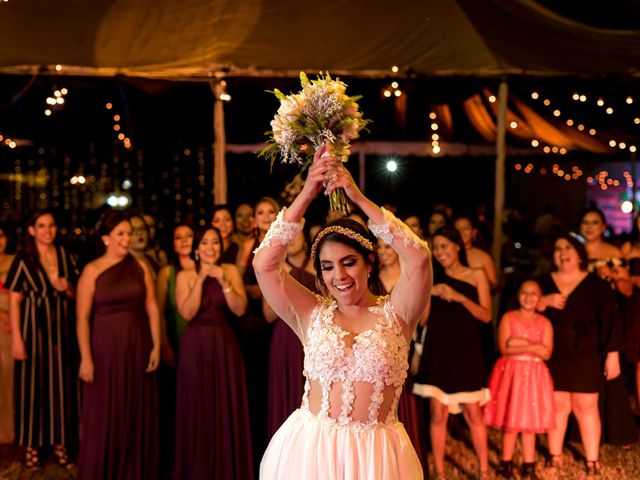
(501, 155)
(361, 170)
(219, 145)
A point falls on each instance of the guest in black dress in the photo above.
(631, 252)
(213, 438)
(41, 284)
(452, 369)
(119, 336)
(587, 337)
(605, 259)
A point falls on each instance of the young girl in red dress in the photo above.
(520, 383)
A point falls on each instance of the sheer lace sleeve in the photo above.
(281, 232)
(411, 293)
(290, 300)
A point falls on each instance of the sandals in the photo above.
(592, 467)
(32, 458)
(62, 455)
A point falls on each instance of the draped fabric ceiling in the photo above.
(196, 39)
(530, 125)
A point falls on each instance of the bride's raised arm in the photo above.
(411, 294)
(289, 299)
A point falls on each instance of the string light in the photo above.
(118, 129)
(435, 144)
(629, 100)
(535, 95)
(395, 69)
(55, 101)
(392, 90)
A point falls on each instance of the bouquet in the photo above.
(320, 113)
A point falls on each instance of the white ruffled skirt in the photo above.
(310, 448)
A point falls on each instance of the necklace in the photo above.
(49, 263)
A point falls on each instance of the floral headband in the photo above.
(347, 232)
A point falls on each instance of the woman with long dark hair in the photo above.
(452, 369)
(631, 252)
(172, 326)
(586, 342)
(119, 336)
(41, 281)
(356, 342)
(223, 221)
(608, 262)
(213, 439)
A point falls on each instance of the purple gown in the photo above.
(119, 430)
(213, 439)
(286, 383)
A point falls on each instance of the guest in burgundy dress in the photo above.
(213, 438)
(119, 336)
(286, 382)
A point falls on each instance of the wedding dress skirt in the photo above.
(312, 448)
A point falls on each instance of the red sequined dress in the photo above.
(521, 385)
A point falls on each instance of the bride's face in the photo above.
(344, 272)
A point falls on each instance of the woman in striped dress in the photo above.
(41, 281)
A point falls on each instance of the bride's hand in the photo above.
(319, 172)
(340, 177)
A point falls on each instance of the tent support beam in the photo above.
(219, 146)
(501, 155)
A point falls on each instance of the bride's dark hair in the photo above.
(369, 256)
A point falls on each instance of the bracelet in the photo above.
(227, 289)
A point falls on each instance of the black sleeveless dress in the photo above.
(452, 365)
(632, 317)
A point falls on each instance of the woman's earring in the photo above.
(197, 256)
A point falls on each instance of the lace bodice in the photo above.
(378, 357)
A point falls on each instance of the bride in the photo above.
(355, 342)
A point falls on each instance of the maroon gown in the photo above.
(286, 357)
(119, 430)
(213, 438)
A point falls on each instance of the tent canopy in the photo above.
(198, 39)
